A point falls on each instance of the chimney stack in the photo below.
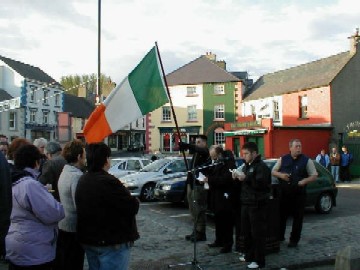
(354, 41)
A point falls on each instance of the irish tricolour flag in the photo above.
(141, 92)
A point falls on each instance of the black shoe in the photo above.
(292, 244)
(215, 244)
(199, 237)
(225, 250)
(189, 236)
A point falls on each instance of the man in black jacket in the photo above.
(197, 195)
(255, 194)
(106, 224)
(221, 188)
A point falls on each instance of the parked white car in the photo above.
(142, 183)
(127, 165)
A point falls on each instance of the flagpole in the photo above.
(171, 105)
(97, 98)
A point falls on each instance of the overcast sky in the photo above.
(257, 36)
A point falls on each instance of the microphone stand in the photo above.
(194, 262)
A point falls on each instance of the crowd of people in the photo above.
(60, 203)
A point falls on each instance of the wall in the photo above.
(319, 107)
(180, 102)
(210, 100)
(312, 141)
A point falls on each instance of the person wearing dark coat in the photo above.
(106, 211)
(5, 202)
(221, 186)
(52, 167)
(196, 193)
(255, 195)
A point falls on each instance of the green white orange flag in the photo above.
(141, 92)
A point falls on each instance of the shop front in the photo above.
(273, 141)
(169, 137)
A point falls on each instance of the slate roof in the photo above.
(78, 106)
(198, 71)
(28, 71)
(5, 95)
(306, 76)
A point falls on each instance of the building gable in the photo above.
(201, 70)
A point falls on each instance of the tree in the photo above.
(72, 84)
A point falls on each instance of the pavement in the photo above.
(162, 244)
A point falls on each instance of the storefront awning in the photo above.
(245, 132)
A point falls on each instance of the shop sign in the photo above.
(247, 124)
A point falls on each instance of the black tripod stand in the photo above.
(194, 262)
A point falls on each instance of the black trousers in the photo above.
(69, 252)
(292, 203)
(45, 266)
(253, 228)
(224, 228)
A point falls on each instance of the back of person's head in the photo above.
(202, 137)
(15, 145)
(251, 147)
(40, 142)
(53, 148)
(72, 150)
(97, 155)
(27, 156)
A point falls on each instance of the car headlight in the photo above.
(166, 187)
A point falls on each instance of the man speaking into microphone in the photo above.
(196, 193)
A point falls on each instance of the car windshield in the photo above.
(155, 166)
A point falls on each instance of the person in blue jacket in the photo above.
(345, 162)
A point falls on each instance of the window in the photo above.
(252, 109)
(12, 120)
(46, 97)
(192, 113)
(45, 117)
(32, 116)
(219, 89)
(137, 123)
(191, 91)
(32, 93)
(166, 113)
(219, 138)
(276, 115)
(303, 112)
(57, 99)
(219, 112)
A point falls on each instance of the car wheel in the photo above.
(324, 203)
(147, 193)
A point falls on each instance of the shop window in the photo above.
(166, 142)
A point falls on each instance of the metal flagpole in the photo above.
(171, 105)
(97, 98)
(194, 262)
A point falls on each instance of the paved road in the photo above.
(162, 227)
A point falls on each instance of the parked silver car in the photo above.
(142, 183)
(127, 165)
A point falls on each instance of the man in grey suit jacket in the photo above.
(53, 167)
